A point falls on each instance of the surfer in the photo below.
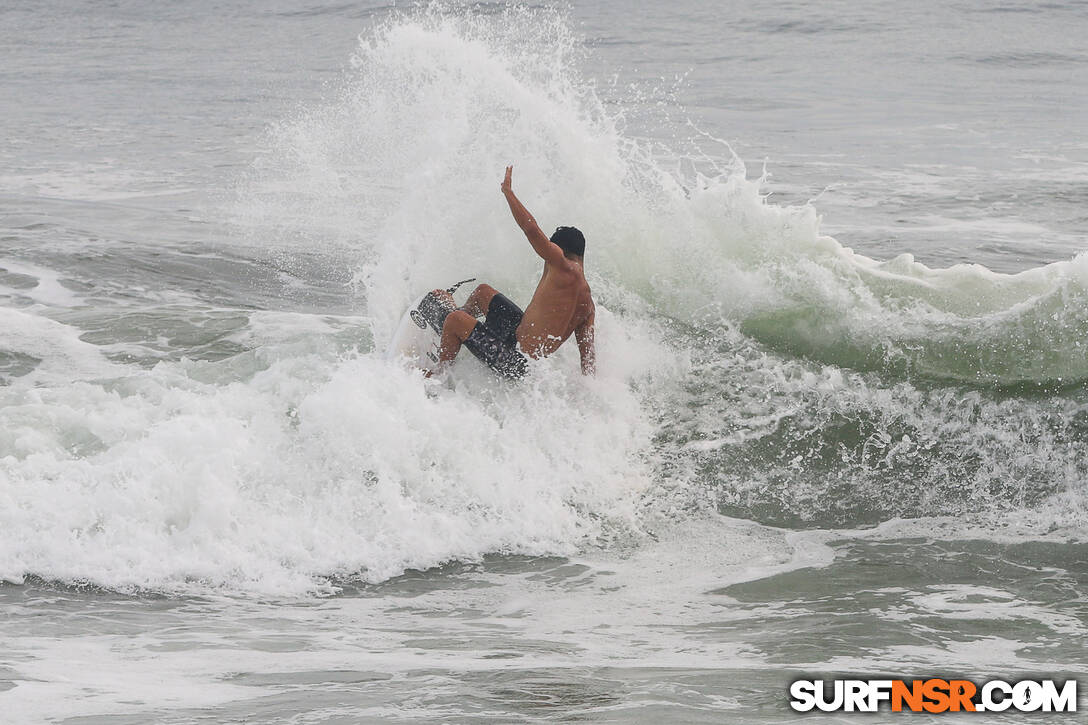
(561, 305)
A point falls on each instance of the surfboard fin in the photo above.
(457, 286)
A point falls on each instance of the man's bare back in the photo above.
(561, 305)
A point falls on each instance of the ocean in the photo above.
(838, 428)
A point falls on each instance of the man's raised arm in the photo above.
(549, 252)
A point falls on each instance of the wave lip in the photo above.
(960, 325)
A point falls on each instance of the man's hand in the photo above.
(507, 183)
(587, 348)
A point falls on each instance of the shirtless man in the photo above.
(561, 305)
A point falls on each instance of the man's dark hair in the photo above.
(570, 240)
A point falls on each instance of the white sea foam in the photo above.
(47, 288)
(306, 470)
(56, 347)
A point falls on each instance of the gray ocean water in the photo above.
(839, 425)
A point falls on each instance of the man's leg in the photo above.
(460, 323)
(457, 328)
(480, 300)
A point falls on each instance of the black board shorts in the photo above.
(494, 341)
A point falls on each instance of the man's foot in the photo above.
(444, 296)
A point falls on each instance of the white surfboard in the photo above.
(414, 341)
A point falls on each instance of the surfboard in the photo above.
(415, 342)
(418, 334)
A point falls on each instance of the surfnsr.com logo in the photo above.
(933, 695)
